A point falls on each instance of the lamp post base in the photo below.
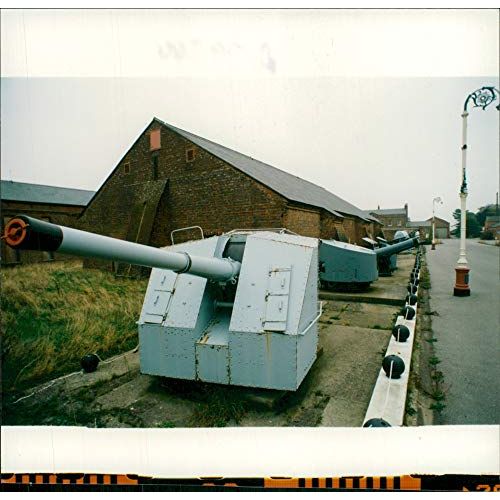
(433, 246)
(461, 288)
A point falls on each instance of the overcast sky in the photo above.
(364, 103)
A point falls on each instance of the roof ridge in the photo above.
(337, 211)
(46, 185)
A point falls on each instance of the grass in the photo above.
(425, 279)
(53, 314)
(218, 411)
(214, 405)
(168, 424)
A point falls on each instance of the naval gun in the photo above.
(346, 266)
(387, 255)
(236, 309)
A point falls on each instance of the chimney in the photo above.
(378, 207)
(406, 209)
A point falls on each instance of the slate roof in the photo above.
(368, 215)
(492, 218)
(39, 193)
(291, 187)
(439, 219)
(419, 223)
(388, 211)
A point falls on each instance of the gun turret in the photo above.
(248, 331)
(28, 233)
(397, 247)
(387, 255)
(346, 267)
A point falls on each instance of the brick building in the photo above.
(442, 228)
(393, 219)
(424, 227)
(397, 219)
(492, 224)
(51, 203)
(171, 178)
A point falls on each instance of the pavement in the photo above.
(468, 332)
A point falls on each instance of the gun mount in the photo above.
(346, 266)
(236, 309)
(387, 255)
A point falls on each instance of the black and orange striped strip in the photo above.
(395, 483)
(405, 483)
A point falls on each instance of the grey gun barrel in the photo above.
(27, 233)
(397, 247)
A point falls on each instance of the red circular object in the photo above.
(15, 232)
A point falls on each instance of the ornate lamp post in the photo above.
(480, 98)
(434, 201)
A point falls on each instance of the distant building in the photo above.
(424, 227)
(442, 228)
(393, 219)
(51, 203)
(171, 178)
(492, 224)
(396, 219)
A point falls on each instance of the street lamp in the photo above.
(434, 201)
(480, 98)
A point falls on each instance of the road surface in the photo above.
(468, 332)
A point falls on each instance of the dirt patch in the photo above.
(426, 393)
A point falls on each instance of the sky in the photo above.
(365, 103)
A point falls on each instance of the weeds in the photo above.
(425, 280)
(168, 424)
(437, 406)
(434, 360)
(410, 410)
(53, 314)
(438, 395)
(218, 410)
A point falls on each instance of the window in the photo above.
(190, 155)
(399, 223)
(154, 165)
(126, 168)
(154, 140)
(389, 224)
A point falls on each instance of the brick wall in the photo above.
(328, 225)
(349, 225)
(302, 221)
(393, 222)
(206, 192)
(65, 215)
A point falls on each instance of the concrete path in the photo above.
(468, 332)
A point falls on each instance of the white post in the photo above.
(433, 246)
(462, 259)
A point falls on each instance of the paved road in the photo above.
(468, 332)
